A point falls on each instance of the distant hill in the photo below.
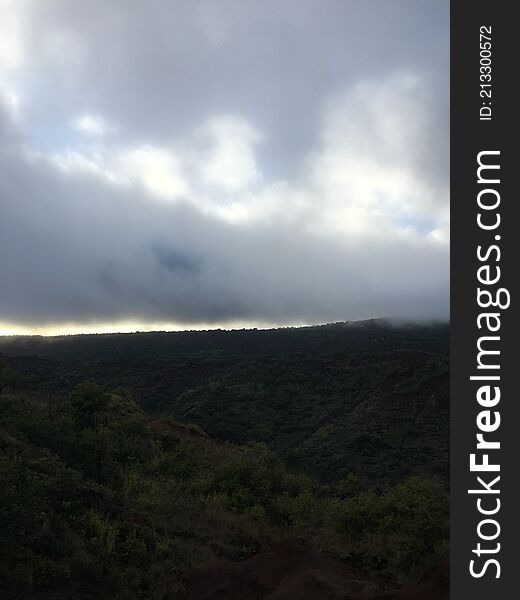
(367, 398)
(336, 337)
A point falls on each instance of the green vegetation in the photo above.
(99, 500)
(364, 398)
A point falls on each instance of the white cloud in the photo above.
(230, 163)
(91, 125)
(11, 42)
(157, 169)
(77, 163)
(359, 180)
(365, 170)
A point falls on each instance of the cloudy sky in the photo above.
(222, 163)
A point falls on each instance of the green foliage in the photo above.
(253, 478)
(367, 398)
(89, 401)
(97, 499)
(398, 529)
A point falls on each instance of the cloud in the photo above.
(231, 163)
(157, 169)
(369, 163)
(91, 125)
(250, 179)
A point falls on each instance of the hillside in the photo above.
(366, 398)
(100, 500)
(350, 337)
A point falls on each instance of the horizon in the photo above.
(389, 321)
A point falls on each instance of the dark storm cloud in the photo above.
(203, 162)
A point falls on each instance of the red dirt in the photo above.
(295, 572)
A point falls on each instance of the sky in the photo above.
(192, 164)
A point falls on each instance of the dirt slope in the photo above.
(295, 572)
